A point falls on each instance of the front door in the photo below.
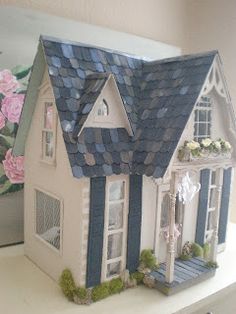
(115, 227)
(163, 230)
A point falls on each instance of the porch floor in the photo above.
(186, 274)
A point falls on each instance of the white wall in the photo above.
(57, 180)
(162, 20)
(20, 30)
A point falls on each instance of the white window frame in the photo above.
(107, 232)
(204, 104)
(103, 108)
(49, 160)
(210, 210)
(36, 235)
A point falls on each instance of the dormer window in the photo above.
(203, 119)
(48, 132)
(103, 109)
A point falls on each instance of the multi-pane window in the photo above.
(115, 228)
(212, 200)
(48, 211)
(203, 119)
(48, 136)
(103, 109)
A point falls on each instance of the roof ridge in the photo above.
(183, 57)
(98, 75)
(86, 45)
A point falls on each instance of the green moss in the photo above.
(197, 250)
(67, 284)
(100, 292)
(81, 293)
(148, 259)
(212, 264)
(206, 250)
(165, 290)
(185, 257)
(116, 286)
(138, 277)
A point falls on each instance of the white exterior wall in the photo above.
(58, 180)
(219, 129)
(148, 213)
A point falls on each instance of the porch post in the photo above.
(214, 238)
(170, 259)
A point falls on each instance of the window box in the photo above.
(207, 149)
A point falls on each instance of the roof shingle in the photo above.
(158, 97)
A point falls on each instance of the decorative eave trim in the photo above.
(216, 66)
(216, 79)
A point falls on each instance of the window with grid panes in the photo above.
(203, 119)
(48, 210)
(115, 232)
(103, 109)
(211, 202)
(48, 136)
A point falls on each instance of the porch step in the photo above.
(186, 274)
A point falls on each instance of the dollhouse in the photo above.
(123, 154)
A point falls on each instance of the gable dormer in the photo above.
(108, 109)
(212, 116)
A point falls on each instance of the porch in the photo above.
(186, 274)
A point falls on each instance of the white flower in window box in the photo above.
(190, 149)
(206, 142)
(217, 145)
(192, 145)
(226, 146)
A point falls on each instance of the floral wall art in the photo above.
(13, 85)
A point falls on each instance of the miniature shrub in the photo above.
(100, 292)
(138, 277)
(197, 250)
(148, 259)
(206, 250)
(116, 285)
(212, 264)
(186, 251)
(67, 284)
(185, 257)
(81, 293)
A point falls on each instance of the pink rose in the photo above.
(14, 167)
(8, 83)
(12, 106)
(2, 121)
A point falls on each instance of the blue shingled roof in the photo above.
(158, 96)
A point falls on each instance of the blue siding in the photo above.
(96, 229)
(202, 206)
(224, 207)
(134, 222)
